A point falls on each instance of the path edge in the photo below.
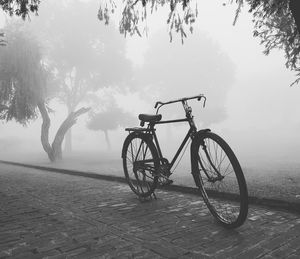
(278, 204)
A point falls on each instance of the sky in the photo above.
(261, 123)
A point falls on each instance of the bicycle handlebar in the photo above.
(198, 97)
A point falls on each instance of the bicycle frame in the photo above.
(190, 134)
(150, 130)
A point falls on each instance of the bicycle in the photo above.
(215, 168)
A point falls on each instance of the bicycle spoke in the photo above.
(218, 176)
(139, 166)
(221, 160)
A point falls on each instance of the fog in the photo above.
(249, 99)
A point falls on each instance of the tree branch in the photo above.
(65, 126)
(295, 9)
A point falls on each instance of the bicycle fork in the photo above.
(196, 161)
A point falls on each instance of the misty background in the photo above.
(249, 99)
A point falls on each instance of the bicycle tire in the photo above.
(141, 178)
(230, 205)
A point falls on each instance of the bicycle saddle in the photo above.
(150, 117)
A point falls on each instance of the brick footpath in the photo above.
(51, 215)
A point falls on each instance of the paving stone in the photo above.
(50, 215)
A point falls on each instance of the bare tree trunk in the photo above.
(107, 139)
(68, 142)
(63, 129)
(68, 137)
(45, 130)
(54, 151)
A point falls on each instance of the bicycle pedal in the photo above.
(167, 182)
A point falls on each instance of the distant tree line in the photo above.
(110, 119)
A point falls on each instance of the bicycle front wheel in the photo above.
(221, 180)
(140, 163)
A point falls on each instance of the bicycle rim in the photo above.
(222, 181)
(140, 163)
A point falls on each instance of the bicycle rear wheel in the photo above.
(221, 179)
(140, 163)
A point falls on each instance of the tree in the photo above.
(85, 61)
(295, 9)
(197, 67)
(24, 78)
(20, 7)
(276, 22)
(274, 25)
(267, 8)
(131, 16)
(182, 13)
(279, 31)
(110, 119)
